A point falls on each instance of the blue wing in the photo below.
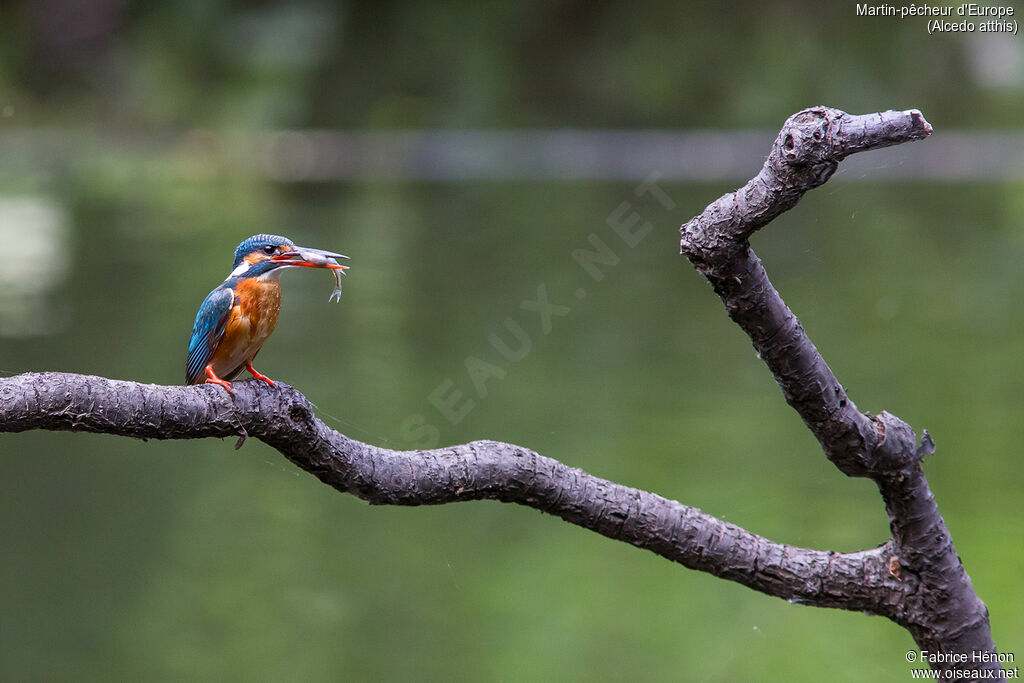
(207, 331)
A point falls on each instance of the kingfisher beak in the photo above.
(310, 258)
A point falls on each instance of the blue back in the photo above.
(208, 329)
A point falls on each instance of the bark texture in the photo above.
(943, 613)
(491, 470)
(915, 578)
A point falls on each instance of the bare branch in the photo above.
(283, 418)
(805, 154)
(945, 614)
(916, 578)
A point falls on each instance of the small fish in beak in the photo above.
(318, 258)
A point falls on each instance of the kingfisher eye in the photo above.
(269, 249)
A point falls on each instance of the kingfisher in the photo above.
(237, 317)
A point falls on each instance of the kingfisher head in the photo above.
(268, 255)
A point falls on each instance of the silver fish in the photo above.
(336, 294)
(326, 259)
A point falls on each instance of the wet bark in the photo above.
(481, 470)
(915, 578)
(943, 613)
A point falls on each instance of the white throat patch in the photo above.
(243, 267)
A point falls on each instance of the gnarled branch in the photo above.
(944, 614)
(283, 418)
(915, 578)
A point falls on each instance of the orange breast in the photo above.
(252, 319)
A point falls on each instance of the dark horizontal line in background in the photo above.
(334, 156)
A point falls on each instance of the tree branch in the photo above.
(915, 579)
(944, 614)
(805, 154)
(283, 418)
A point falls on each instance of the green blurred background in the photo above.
(119, 211)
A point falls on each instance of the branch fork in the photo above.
(915, 578)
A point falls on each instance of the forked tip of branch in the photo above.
(823, 133)
(806, 153)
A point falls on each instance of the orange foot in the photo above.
(257, 375)
(212, 378)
